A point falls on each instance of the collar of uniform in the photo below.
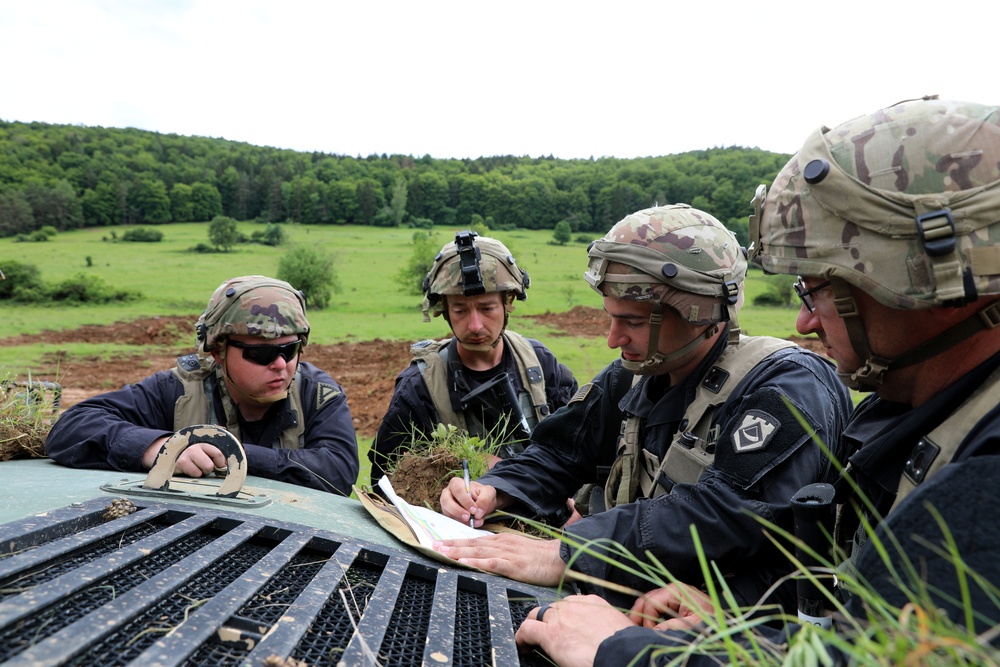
(887, 432)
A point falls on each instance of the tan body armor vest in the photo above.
(638, 472)
(934, 451)
(195, 406)
(938, 447)
(431, 358)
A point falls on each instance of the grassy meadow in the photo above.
(175, 281)
(372, 304)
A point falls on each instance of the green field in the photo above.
(175, 281)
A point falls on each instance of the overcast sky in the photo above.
(467, 78)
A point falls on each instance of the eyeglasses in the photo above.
(264, 355)
(805, 295)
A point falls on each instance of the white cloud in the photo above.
(462, 79)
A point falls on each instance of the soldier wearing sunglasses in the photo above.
(247, 376)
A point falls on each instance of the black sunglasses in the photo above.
(265, 355)
(805, 295)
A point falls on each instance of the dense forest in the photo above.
(70, 176)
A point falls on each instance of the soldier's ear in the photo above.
(219, 353)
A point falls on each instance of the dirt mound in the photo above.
(419, 480)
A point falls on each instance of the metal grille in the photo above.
(178, 585)
(333, 627)
(57, 567)
(472, 630)
(409, 623)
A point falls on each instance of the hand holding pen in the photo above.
(465, 475)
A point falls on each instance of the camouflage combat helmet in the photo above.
(903, 204)
(472, 265)
(673, 255)
(253, 306)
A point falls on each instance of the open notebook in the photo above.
(427, 525)
(419, 527)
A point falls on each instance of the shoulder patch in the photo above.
(754, 432)
(326, 392)
(581, 393)
(758, 438)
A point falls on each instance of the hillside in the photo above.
(68, 176)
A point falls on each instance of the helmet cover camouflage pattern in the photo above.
(497, 268)
(675, 255)
(253, 306)
(903, 203)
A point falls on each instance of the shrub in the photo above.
(20, 276)
(309, 269)
(562, 234)
(83, 288)
(778, 292)
(143, 235)
(421, 223)
(411, 276)
(271, 235)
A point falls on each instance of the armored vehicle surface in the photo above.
(95, 569)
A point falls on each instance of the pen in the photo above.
(465, 474)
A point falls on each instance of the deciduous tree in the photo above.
(223, 233)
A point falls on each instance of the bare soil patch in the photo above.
(367, 371)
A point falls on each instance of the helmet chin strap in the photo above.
(654, 358)
(871, 374)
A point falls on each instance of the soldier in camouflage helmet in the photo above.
(486, 380)
(690, 426)
(913, 228)
(253, 306)
(247, 376)
(472, 265)
(673, 256)
(892, 223)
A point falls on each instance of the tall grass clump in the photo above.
(867, 628)
(27, 412)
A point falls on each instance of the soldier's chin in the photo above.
(478, 347)
(270, 398)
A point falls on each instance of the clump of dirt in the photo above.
(420, 477)
(23, 441)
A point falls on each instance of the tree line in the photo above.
(71, 176)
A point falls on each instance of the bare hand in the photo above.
(517, 557)
(459, 505)
(572, 629)
(198, 460)
(574, 515)
(681, 605)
